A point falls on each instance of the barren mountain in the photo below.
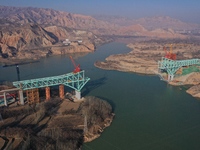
(31, 41)
(100, 25)
(17, 38)
(48, 17)
(23, 30)
(151, 23)
(139, 30)
(165, 23)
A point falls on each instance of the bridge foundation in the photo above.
(48, 96)
(62, 91)
(78, 94)
(170, 77)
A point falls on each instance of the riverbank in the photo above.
(62, 122)
(143, 60)
(37, 54)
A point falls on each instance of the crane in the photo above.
(76, 67)
(169, 54)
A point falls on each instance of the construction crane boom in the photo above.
(169, 54)
(76, 67)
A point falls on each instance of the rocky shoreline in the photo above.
(32, 42)
(143, 60)
(43, 52)
(55, 123)
(91, 135)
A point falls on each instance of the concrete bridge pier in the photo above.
(5, 100)
(170, 77)
(21, 97)
(48, 96)
(78, 94)
(61, 91)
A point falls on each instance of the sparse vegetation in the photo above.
(46, 126)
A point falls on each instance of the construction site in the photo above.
(60, 121)
(170, 68)
(27, 91)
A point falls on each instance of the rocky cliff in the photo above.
(31, 41)
(13, 40)
(194, 91)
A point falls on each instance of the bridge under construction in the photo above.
(73, 80)
(172, 66)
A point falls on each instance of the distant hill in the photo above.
(101, 25)
(151, 23)
(165, 22)
(48, 17)
(45, 27)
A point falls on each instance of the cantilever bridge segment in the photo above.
(75, 81)
(171, 66)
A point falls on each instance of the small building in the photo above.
(79, 41)
(66, 42)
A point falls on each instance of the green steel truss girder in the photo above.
(75, 81)
(172, 66)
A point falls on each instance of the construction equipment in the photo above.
(169, 54)
(76, 67)
(17, 67)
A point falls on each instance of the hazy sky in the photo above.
(185, 10)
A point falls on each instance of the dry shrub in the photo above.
(96, 110)
(63, 139)
(14, 132)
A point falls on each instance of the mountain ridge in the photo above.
(150, 23)
(99, 25)
(25, 28)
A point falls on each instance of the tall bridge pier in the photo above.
(62, 91)
(77, 94)
(5, 101)
(48, 93)
(21, 97)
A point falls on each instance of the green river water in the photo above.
(149, 113)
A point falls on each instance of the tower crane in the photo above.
(76, 67)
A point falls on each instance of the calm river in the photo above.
(150, 114)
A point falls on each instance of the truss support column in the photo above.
(32, 96)
(21, 97)
(5, 100)
(61, 91)
(47, 93)
(78, 94)
(170, 77)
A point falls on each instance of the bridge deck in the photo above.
(73, 80)
(172, 66)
